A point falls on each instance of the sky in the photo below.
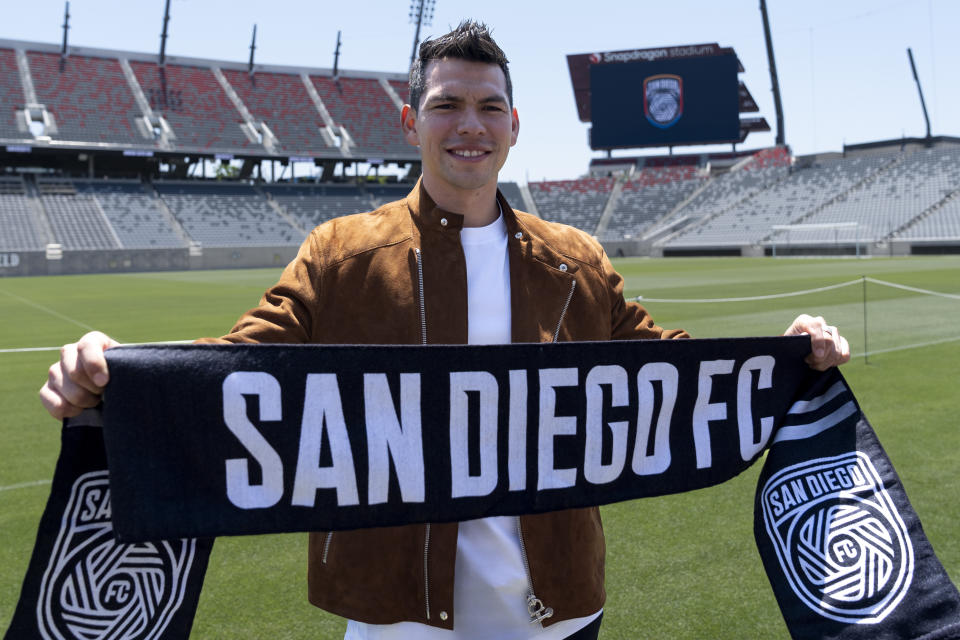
(842, 64)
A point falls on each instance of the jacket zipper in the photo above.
(566, 305)
(326, 547)
(426, 569)
(423, 340)
(535, 607)
(423, 304)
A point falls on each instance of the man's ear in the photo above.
(408, 123)
(515, 126)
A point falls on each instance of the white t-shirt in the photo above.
(490, 586)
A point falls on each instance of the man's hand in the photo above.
(829, 347)
(76, 382)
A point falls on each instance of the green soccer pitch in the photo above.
(682, 566)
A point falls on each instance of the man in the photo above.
(451, 263)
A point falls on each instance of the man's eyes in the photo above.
(446, 106)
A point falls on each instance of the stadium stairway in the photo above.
(39, 213)
(280, 210)
(608, 210)
(171, 219)
(670, 222)
(529, 204)
(710, 215)
(912, 222)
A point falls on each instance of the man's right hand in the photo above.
(76, 382)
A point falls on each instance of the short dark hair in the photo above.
(470, 41)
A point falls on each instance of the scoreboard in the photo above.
(684, 95)
(662, 103)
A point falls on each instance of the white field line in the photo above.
(804, 292)
(750, 298)
(27, 349)
(904, 347)
(24, 485)
(914, 289)
(56, 314)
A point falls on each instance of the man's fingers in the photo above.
(828, 347)
(72, 392)
(90, 356)
(76, 382)
(62, 397)
(70, 368)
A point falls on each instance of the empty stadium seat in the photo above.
(311, 205)
(281, 100)
(11, 95)
(89, 98)
(19, 230)
(135, 217)
(195, 105)
(578, 203)
(227, 215)
(366, 110)
(77, 221)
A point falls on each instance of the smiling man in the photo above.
(452, 263)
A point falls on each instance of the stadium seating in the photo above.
(311, 205)
(511, 192)
(18, 227)
(134, 216)
(789, 201)
(89, 99)
(226, 215)
(11, 95)
(281, 100)
(719, 203)
(366, 110)
(578, 203)
(195, 105)
(900, 192)
(76, 220)
(771, 157)
(402, 87)
(647, 196)
(942, 224)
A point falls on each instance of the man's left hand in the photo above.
(829, 348)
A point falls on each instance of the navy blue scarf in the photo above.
(204, 441)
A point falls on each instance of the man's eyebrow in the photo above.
(448, 97)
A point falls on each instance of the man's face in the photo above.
(464, 125)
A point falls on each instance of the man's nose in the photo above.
(470, 123)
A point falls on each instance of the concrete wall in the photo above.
(35, 263)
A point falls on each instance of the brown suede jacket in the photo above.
(397, 275)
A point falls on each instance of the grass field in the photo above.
(677, 567)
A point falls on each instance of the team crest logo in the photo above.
(97, 589)
(663, 99)
(839, 538)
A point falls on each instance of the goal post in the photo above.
(836, 227)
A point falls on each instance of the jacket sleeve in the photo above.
(286, 311)
(629, 320)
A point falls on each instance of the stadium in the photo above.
(155, 197)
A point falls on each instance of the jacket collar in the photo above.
(428, 216)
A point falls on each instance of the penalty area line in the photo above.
(29, 349)
(24, 485)
(905, 347)
(55, 314)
